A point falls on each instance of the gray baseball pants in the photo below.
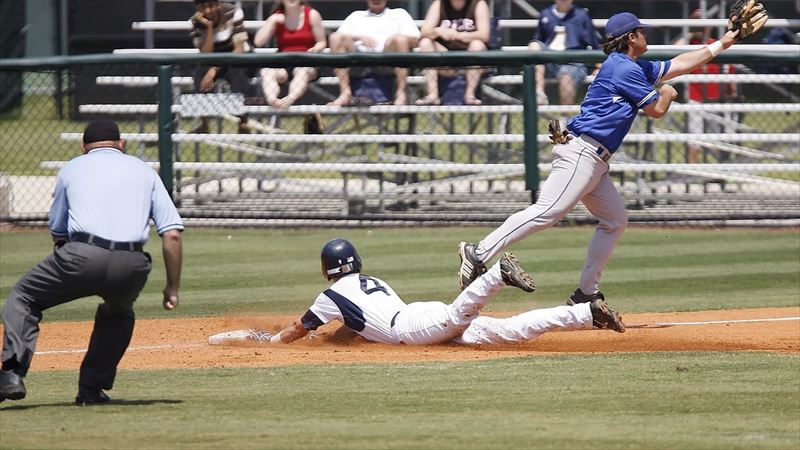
(73, 271)
(578, 174)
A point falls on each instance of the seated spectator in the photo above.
(704, 92)
(219, 27)
(454, 25)
(563, 26)
(297, 27)
(375, 29)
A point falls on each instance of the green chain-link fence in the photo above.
(738, 158)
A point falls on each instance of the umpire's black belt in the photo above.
(105, 243)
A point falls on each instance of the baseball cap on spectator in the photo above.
(622, 23)
(101, 130)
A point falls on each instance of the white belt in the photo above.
(594, 144)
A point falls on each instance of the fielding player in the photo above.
(622, 87)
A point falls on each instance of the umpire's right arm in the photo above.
(172, 249)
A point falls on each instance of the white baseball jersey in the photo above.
(365, 304)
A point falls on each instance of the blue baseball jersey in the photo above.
(112, 195)
(620, 89)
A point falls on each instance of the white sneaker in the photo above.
(252, 334)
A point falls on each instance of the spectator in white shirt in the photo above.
(375, 29)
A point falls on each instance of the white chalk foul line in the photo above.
(130, 349)
(710, 322)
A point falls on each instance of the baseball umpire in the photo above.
(369, 307)
(624, 85)
(99, 222)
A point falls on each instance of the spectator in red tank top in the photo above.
(701, 92)
(704, 92)
(296, 27)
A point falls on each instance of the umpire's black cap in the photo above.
(101, 130)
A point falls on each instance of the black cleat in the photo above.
(605, 318)
(514, 274)
(91, 397)
(579, 297)
(471, 266)
(11, 386)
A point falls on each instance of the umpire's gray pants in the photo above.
(72, 271)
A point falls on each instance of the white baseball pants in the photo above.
(578, 174)
(424, 323)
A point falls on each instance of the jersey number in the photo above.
(377, 286)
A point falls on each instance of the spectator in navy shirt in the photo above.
(563, 26)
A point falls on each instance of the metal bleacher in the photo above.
(403, 162)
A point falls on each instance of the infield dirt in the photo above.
(182, 343)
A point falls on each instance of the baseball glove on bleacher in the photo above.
(747, 16)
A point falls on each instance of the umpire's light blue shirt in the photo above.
(112, 195)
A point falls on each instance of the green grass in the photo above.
(277, 271)
(636, 401)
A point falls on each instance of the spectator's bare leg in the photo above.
(340, 43)
(400, 44)
(431, 75)
(566, 89)
(473, 75)
(199, 85)
(541, 97)
(270, 83)
(301, 76)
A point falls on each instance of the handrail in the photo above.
(433, 59)
(143, 81)
(780, 48)
(185, 25)
(113, 108)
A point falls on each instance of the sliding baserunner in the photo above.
(369, 307)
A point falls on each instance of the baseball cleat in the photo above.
(579, 297)
(514, 274)
(253, 334)
(605, 318)
(471, 266)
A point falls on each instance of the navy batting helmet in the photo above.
(339, 258)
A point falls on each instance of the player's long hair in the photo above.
(617, 44)
(279, 6)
